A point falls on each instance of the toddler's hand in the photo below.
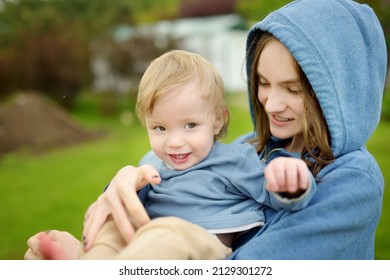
(284, 174)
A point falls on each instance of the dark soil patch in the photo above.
(32, 121)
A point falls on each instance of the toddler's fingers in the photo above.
(303, 177)
(292, 178)
(272, 180)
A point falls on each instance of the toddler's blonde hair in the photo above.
(176, 68)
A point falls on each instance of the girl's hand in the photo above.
(120, 200)
(284, 174)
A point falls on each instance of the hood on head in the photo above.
(340, 46)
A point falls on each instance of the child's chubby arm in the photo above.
(120, 200)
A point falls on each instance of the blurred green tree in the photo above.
(256, 10)
(45, 44)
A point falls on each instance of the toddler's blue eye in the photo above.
(190, 125)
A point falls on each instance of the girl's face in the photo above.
(181, 127)
(281, 93)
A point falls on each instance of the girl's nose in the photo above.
(275, 102)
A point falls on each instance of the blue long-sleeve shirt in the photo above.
(223, 193)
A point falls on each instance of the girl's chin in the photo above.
(281, 134)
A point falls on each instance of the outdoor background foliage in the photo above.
(46, 47)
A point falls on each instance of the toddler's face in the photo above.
(181, 127)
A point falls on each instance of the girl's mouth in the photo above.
(279, 121)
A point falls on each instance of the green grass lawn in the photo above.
(53, 190)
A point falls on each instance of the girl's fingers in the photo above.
(96, 219)
(121, 201)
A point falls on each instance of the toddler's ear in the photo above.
(221, 122)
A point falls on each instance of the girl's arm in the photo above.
(122, 202)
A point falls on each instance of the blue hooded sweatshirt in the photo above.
(340, 46)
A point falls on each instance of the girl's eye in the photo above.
(263, 84)
(190, 125)
(292, 91)
(160, 128)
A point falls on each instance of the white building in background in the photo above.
(220, 39)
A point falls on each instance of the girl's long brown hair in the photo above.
(317, 152)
